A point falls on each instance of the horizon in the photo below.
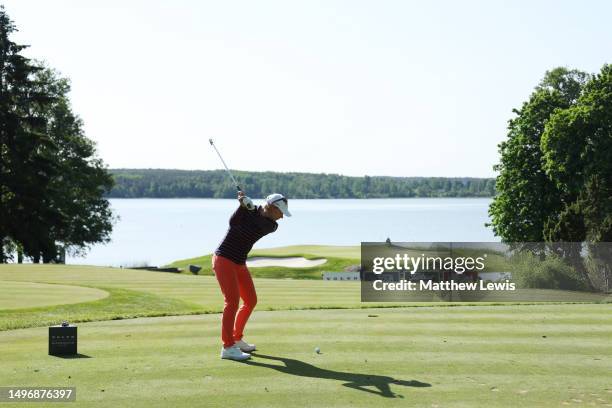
(299, 172)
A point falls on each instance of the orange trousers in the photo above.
(235, 282)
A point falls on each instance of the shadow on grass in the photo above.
(68, 356)
(352, 380)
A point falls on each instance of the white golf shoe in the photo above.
(234, 353)
(244, 346)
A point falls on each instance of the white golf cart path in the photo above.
(290, 262)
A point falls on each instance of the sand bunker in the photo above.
(293, 262)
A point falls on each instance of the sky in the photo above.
(394, 88)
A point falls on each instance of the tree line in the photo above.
(162, 183)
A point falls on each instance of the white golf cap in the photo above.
(280, 202)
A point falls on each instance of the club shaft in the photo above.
(225, 165)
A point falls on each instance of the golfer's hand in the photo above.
(245, 201)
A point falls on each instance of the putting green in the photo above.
(350, 252)
(17, 295)
(288, 262)
(502, 356)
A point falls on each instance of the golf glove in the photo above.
(248, 203)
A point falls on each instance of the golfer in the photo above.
(246, 226)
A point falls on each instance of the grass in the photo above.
(121, 304)
(148, 293)
(338, 258)
(19, 295)
(350, 252)
(534, 356)
(542, 355)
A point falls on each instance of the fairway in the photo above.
(430, 355)
(136, 293)
(544, 356)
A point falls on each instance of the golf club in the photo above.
(225, 165)
(249, 204)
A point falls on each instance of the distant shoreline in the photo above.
(261, 198)
(161, 183)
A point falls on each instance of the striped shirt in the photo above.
(246, 228)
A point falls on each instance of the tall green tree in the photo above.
(526, 196)
(555, 181)
(52, 183)
(27, 154)
(77, 195)
(577, 148)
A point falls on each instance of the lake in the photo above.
(159, 231)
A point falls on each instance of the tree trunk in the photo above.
(582, 271)
(571, 253)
